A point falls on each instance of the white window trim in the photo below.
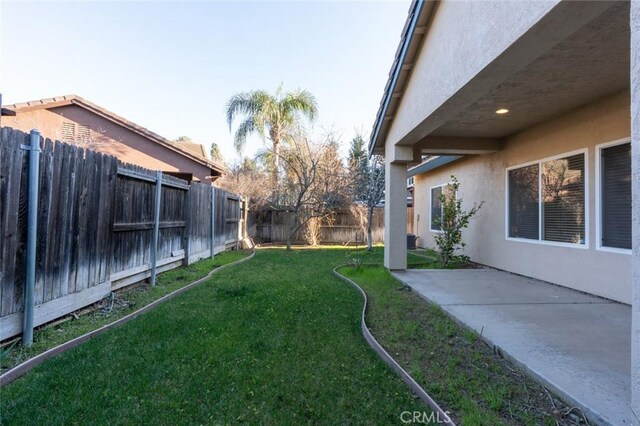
(437, 231)
(540, 241)
(598, 206)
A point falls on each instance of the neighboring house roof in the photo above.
(413, 34)
(154, 137)
(192, 147)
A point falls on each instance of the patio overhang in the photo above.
(442, 145)
(576, 53)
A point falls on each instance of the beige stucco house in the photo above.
(534, 106)
(75, 120)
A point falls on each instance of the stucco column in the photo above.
(395, 207)
(635, 168)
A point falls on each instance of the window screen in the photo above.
(616, 196)
(524, 208)
(436, 208)
(563, 206)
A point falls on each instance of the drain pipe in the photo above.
(32, 231)
(156, 228)
(213, 219)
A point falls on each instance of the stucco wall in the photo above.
(483, 178)
(474, 31)
(108, 137)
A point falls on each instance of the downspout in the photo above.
(417, 9)
(32, 230)
(213, 221)
(156, 228)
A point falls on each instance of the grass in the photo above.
(275, 340)
(452, 364)
(106, 312)
(422, 258)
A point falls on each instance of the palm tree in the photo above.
(269, 116)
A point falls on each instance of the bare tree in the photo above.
(313, 184)
(374, 191)
(250, 180)
(366, 176)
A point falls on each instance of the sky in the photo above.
(172, 66)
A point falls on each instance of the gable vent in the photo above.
(68, 132)
(83, 134)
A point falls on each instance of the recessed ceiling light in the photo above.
(502, 111)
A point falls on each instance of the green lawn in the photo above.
(107, 311)
(275, 340)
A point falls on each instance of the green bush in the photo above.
(454, 219)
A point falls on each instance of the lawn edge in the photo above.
(388, 359)
(23, 368)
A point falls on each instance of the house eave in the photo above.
(413, 34)
(432, 164)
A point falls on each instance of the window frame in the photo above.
(598, 204)
(540, 241)
(442, 185)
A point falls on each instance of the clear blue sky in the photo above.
(171, 66)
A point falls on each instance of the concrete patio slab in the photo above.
(575, 344)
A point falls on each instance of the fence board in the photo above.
(95, 220)
(343, 228)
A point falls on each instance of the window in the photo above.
(546, 201)
(436, 208)
(524, 209)
(68, 132)
(615, 199)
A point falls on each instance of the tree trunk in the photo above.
(291, 231)
(275, 177)
(276, 161)
(369, 238)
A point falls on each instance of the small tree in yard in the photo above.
(367, 180)
(454, 219)
(312, 185)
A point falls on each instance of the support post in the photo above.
(395, 206)
(156, 228)
(186, 240)
(635, 209)
(213, 220)
(32, 230)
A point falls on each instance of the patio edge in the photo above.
(591, 416)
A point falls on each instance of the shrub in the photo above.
(454, 219)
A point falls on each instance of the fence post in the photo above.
(186, 241)
(213, 220)
(32, 230)
(156, 228)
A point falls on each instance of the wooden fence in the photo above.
(95, 227)
(272, 226)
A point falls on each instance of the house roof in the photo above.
(195, 154)
(411, 40)
(192, 147)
